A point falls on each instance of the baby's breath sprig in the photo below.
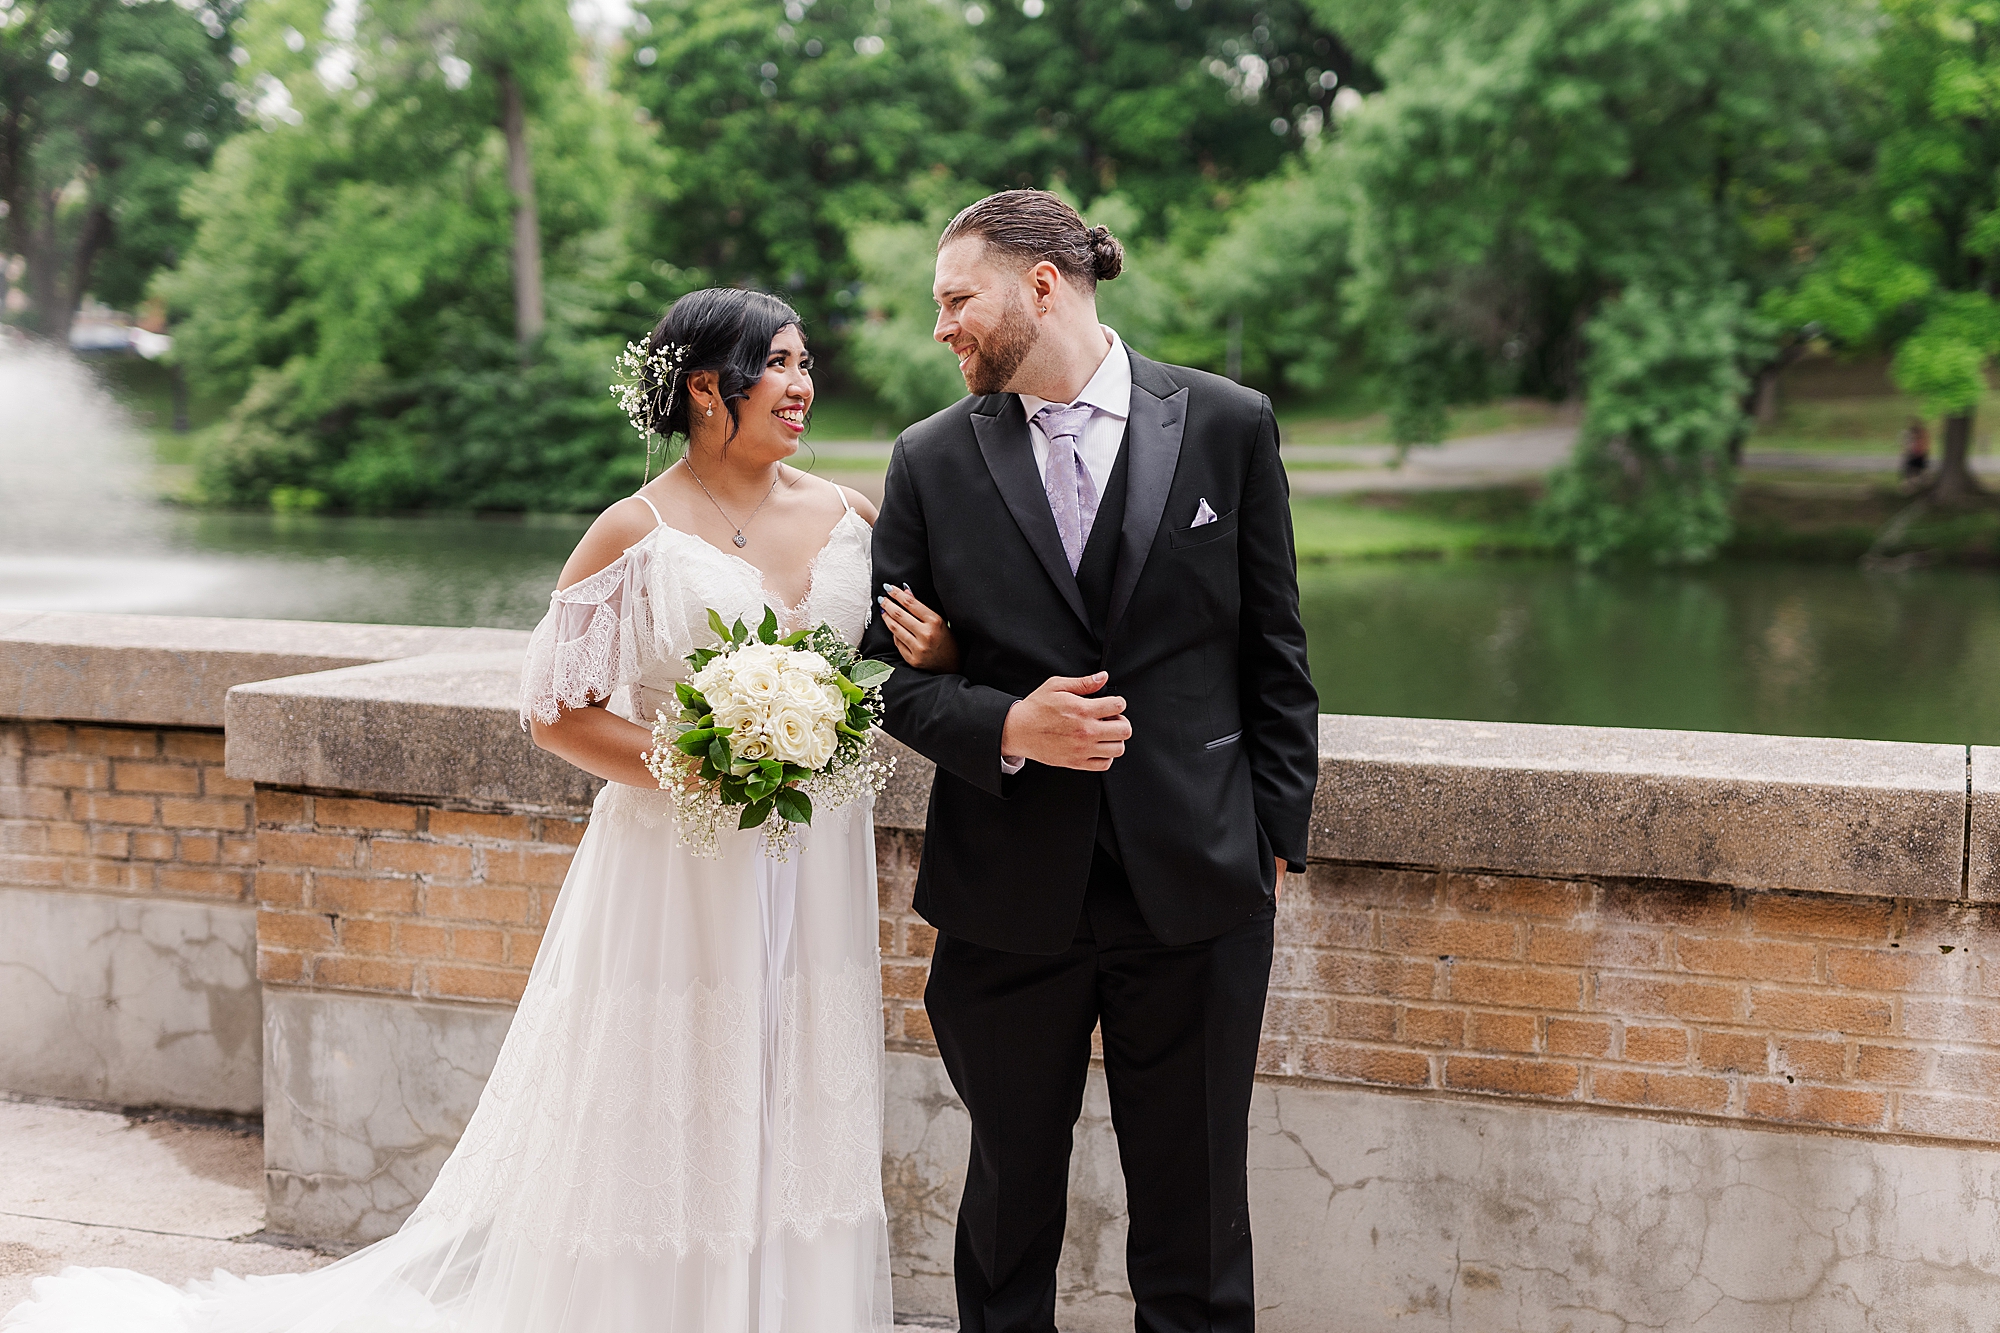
(645, 388)
(647, 382)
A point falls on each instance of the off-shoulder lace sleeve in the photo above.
(587, 646)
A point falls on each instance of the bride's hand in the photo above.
(921, 635)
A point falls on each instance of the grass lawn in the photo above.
(1419, 524)
(1871, 424)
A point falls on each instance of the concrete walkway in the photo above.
(169, 1198)
(99, 1189)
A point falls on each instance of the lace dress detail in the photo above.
(683, 1129)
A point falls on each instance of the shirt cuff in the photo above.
(1009, 766)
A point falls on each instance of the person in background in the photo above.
(1916, 449)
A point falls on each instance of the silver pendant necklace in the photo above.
(740, 540)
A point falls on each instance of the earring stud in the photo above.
(710, 412)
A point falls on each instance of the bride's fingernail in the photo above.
(886, 588)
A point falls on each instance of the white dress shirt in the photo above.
(1109, 395)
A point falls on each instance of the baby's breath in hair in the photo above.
(646, 384)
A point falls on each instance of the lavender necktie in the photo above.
(1072, 494)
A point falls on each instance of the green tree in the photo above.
(106, 112)
(1529, 165)
(793, 126)
(1911, 259)
(356, 276)
(1651, 470)
(1173, 107)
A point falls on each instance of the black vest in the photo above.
(1094, 575)
(1099, 566)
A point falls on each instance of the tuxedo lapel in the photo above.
(1010, 457)
(1153, 447)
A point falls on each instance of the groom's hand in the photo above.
(1061, 726)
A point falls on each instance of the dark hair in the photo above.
(727, 330)
(1034, 225)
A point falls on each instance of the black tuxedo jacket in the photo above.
(1201, 636)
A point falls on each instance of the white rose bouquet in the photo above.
(766, 726)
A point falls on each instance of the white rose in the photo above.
(824, 739)
(737, 714)
(755, 745)
(756, 680)
(805, 691)
(791, 730)
(804, 659)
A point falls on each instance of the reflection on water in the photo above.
(1800, 649)
(1811, 650)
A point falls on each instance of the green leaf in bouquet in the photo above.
(694, 742)
(767, 632)
(859, 718)
(849, 690)
(701, 657)
(755, 813)
(688, 695)
(738, 633)
(718, 752)
(773, 769)
(795, 638)
(794, 805)
(721, 630)
(869, 673)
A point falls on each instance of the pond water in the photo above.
(1776, 648)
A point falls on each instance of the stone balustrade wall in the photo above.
(1567, 1027)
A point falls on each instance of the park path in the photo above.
(1504, 458)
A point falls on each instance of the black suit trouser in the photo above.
(1180, 1027)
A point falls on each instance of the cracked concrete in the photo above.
(130, 1001)
(1376, 1212)
(364, 1100)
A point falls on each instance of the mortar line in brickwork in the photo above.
(1965, 841)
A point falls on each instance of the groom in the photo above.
(1125, 762)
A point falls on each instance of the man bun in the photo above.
(1108, 257)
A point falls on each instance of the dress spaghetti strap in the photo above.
(657, 520)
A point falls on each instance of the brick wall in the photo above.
(404, 897)
(1860, 1013)
(1868, 1014)
(144, 811)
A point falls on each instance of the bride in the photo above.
(682, 1133)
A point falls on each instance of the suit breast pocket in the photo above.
(1182, 538)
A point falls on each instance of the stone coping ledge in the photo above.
(1875, 818)
(174, 670)
(423, 712)
(440, 725)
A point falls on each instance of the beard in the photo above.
(1000, 353)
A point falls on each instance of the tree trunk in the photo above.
(47, 313)
(95, 235)
(1956, 487)
(528, 308)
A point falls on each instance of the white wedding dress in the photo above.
(683, 1131)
